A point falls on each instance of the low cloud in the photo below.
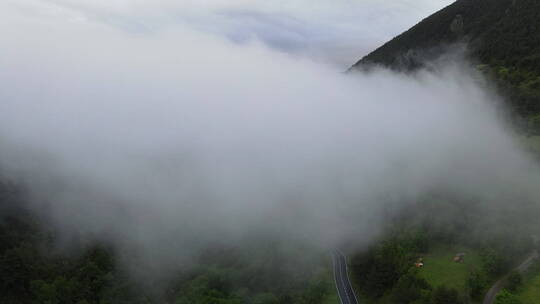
(176, 140)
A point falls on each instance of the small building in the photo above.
(459, 258)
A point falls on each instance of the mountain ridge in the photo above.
(502, 37)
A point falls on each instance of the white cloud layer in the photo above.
(172, 140)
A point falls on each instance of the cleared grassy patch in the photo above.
(331, 296)
(331, 299)
(440, 269)
(529, 293)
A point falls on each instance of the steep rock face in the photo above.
(502, 37)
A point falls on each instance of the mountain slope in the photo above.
(503, 36)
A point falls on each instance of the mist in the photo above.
(170, 141)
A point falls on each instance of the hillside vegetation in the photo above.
(439, 226)
(34, 270)
(502, 38)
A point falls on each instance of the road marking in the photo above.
(339, 261)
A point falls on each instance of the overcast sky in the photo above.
(332, 31)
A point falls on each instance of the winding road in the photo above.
(341, 277)
(347, 295)
(499, 285)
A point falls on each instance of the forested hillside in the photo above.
(502, 38)
(34, 269)
(493, 239)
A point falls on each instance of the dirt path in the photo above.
(499, 285)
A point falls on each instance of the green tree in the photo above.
(515, 280)
(44, 293)
(444, 295)
(409, 288)
(505, 297)
(493, 262)
(380, 268)
(265, 298)
(476, 283)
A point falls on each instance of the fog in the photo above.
(170, 141)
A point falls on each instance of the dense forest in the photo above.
(33, 269)
(502, 38)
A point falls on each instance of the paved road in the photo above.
(341, 277)
(499, 285)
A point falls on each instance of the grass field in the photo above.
(439, 268)
(332, 296)
(529, 293)
(331, 299)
